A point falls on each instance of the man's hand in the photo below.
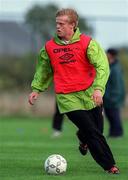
(97, 97)
(32, 97)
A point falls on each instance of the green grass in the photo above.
(25, 143)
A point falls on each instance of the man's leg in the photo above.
(96, 142)
(95, 114)
(83, 147)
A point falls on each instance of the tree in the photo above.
(41, 23)
(41, 20)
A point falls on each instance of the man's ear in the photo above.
(74, 25)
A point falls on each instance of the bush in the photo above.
(16, 72)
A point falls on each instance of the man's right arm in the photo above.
(43, 76)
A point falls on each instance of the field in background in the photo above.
(25, 143)
(16, 104)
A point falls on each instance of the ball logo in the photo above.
(66, 56)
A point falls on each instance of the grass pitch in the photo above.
(25, 143)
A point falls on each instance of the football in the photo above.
(55, 164)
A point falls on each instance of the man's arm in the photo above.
(98, 58)
(43, 76)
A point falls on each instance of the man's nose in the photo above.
(57, 26)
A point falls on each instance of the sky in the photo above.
(109, 18)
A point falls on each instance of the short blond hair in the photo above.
(71, 13)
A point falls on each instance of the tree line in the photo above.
(17, 72)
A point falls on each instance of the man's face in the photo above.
(63, 27)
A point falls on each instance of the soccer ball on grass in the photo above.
(55, 164)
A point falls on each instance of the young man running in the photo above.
(80, 70)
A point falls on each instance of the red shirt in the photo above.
(72, 70)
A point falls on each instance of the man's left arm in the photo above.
(98, 58)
